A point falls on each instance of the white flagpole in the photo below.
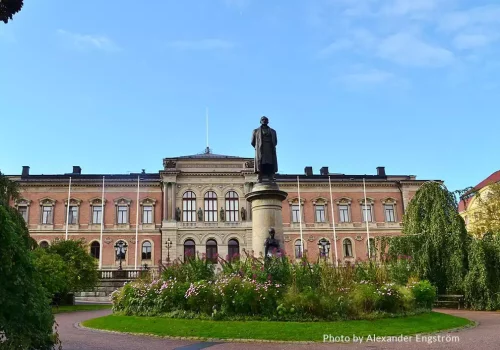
(67, 209)
(333, 222)
(137, 225)
(102, 225)
(300, 216)
(207, 126)
(366, 220)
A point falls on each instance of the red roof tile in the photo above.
(493, 178)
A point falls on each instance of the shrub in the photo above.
(424, 293)
(389, 298)
(365, 298)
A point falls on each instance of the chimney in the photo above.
(77, 170)
(26, 171)
(324, 171)
(308, 170)
(381, 170)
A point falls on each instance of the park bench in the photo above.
(449, 300)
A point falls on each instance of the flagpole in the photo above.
(366, 220)
(102, 226)
(67, 209)
(333, 222)
(300, 216)
(137, 225)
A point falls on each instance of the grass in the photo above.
(279, 331)
(82, 307)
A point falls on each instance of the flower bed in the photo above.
(275, 289)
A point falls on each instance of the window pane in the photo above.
(367, 213)
(147, 214)
(96, 214)
(347, 248)
(95, 249)
(122, 214)
(295, 213)
(344, 213)
(146, 250)
(24, 212)
(232, 206)
(73, 215)
(320, 213)
(233, 249)
(212, 250)
(210, 206)
(298, 249)
(189, 249)
(189, 207)
(389, 213)
(47, 215)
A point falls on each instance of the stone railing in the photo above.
(214, 224)
(121, 274)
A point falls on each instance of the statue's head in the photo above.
(272, 232)
(264, 120)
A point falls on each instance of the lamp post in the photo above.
(168, 245)
(324, 248)
(121, 250)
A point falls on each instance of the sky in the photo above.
(116, 86)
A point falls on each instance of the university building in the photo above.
(196, 204)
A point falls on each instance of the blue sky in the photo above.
(115, 86)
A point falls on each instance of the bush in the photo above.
(365, 298)
(424, 293)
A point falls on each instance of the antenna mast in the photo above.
(207, 150)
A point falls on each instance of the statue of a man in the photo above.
(271, 243)
(200, 214)
(265, 140)
(178, 214)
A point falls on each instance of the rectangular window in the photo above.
(295, 213)
(389, 213)
(96, 214)
(24, 212)
(344, 213)
(320, 213)
(47, 215)
(189, 210)
(147, 214)
(122, 214)
(73, 215)
(210, 209)
(367, 213)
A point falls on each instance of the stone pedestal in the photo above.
(266, 199)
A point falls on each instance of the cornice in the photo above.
(321, 184)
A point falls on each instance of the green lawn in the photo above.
(280, 331)
(82, 307)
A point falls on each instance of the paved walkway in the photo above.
(484, 337)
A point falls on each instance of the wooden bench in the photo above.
(451, 299)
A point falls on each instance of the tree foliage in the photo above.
(53, 270)
(486, 215)
(8, 189)
(8, 8)
(434, 235)
(26, 319)
(80, 267)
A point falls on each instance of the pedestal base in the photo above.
(266, 199)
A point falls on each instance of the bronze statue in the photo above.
(265, 140)
(221, 214)
(200, 214)
(271, 242)
(178, 214)
(243, 214)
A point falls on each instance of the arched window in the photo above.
(44, 244)
(233, 247)
(95, 249)
(146, 250)
(189, 206)
(298, 249)
(347, 246)
(232, 206)
(212, 250)
(189, 249)
(210, 206)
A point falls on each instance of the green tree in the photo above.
(53, 270)
(434, 235)
(26, 319)
(8, 8)
(8, 189)
(81, 267)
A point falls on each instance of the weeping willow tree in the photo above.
(8, 8)
(434, 235)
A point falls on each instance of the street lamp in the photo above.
(324, 247)
(168, 245)
(121, 250)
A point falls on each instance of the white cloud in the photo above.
(482, 15)
(472, 41)
(204, 44)
(409, 7)
(86, 41)
(337, 45)
(372, 76)
(408, 50)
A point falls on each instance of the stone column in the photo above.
(266, 199)
(165, 201)
(173, 200)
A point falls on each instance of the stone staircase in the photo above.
(101, 294)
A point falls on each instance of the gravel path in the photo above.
(484, 337)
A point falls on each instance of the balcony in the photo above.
(197, 224)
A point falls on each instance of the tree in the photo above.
(8, 190)
(486, 217)
(8, 8)
(53, 270)
(81, 268)
(26, 319)
(434, 235)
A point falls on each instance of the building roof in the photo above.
(493, 178)
(207, 154)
